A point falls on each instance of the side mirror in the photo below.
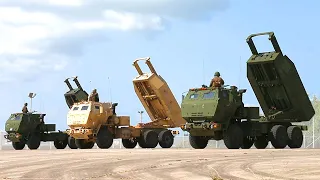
(101, 110)
(183, 97)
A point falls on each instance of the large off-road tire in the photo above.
(83, 144)
(295, 137)
(278, 136)
(129, 143)
(72, 143)
(18, 145)
(247, 142)
(198, 142)
(90, 145)
(233, 137)
(261, 142)
(149, 139)
(60, 144)
(165, 139)
(34, 141)
(104, 138)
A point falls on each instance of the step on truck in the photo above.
(97, 122)
(30, 128)
(218, 113)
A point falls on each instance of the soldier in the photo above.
(25, 109)
(94, 96)
(217, 81)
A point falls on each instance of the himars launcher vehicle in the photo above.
(30, 129)
(97, 122)
(219, 113)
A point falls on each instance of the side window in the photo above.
(84, 108)
(208, 95)
(225, 94)
(75, 108)
(194, 96)
(97, 107)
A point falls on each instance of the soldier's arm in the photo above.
(211, 83)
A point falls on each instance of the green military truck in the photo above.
(218, 113)
(30, 129)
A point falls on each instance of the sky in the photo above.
(43, 42)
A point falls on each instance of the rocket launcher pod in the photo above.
(156, 97)
(75, 95)
(277, 85)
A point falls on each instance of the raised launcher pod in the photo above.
(75, 95)
(157, 98)
(277, 85)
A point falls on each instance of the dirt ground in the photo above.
(160, 164)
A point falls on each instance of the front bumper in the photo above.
(13, 137)
(80, 133)
(199, 126)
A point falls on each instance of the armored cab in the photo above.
(75, 95)
(30, 129)
(277, 85)
(219, 105)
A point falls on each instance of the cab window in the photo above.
(208, 95)
(194, 96)
(83, 108)
(75, 108)
(15, 117)
(97, 107)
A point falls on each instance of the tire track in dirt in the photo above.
(157, 164)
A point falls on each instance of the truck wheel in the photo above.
(166, 139)
(149, 139)
(198, 142)
(18, 145)
(129, 143)
(90, 145)
(72, 143)
(261, 142)
(295, 136)
(247, 143)
(233, 138)
(279, 136)
(34, 141)
(83, 144)
(60, 144)
(104, 138)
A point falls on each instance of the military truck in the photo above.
(74, 95)
(218, 113)
(97, 122)
(30, 129)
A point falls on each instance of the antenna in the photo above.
(239, 72)
(109, 84)
(203, 72)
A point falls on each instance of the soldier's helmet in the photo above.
(26, 104)
(217, 74)
(94, 90)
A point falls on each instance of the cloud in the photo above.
(43, 35)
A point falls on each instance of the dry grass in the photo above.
(216, 178)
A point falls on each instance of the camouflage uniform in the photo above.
(217, 81)
(94, 96)
(25, 109)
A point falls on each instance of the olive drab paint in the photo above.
(75, 95)
(218, 113)
(277, 84)
(30, 128)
